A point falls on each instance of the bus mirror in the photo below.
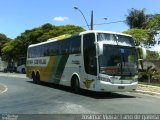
(142, 53)
(100, 48)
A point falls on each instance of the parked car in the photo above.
(21, 69)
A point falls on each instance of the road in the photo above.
(24, 97)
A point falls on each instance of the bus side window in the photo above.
(75, 45)
(65, 47)
(89, 54)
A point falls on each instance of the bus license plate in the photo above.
(121, 87)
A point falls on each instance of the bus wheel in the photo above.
(34, 78)
(75, 85)
(38, 78)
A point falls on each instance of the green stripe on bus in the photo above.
(58, 68)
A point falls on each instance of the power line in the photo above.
(107, 23)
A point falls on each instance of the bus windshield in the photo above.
(115, 39)
(118, 60)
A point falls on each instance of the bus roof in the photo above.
(101, 31)
(54, 39)
(68, 36)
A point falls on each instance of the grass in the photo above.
(153, 84)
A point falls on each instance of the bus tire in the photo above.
(38, 78)
(34, 78)
(75, 85)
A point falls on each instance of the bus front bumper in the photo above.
(103, 86)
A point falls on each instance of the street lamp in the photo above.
(105, 18)
(76, 8)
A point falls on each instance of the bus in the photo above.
(100, 61)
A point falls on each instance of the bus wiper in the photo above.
(121, 66)
(122, 60)
(130, 73)
(123, 63)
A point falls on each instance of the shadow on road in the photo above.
(96, 95)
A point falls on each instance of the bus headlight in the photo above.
(104, 79)
(135, 80)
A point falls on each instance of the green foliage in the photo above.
(154, 24)
(136, 18)
(3, 40)
(143, 26)
(18, 46)
(139, 35)
(153, 27)
(152, 55)
(8, 50)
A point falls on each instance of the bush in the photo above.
(152, 55)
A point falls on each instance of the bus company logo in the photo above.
(38, 61)
(87, 83)
(75, 62)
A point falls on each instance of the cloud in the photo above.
(59, 18)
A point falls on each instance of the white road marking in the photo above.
(5, 88)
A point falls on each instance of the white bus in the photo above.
(99, 61)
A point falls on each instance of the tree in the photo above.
(8, 50)
(3, 39)
(19, 45)
(140, 36)
(152, 55)
(148, 24)
(153, 25)
(137, 18)
(47, 27)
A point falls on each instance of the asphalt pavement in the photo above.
(25, 97)
(144, 89)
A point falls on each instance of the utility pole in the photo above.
(92, 20)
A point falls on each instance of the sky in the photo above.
(16, 16)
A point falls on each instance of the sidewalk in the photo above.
(20, 75)
(148, 89)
